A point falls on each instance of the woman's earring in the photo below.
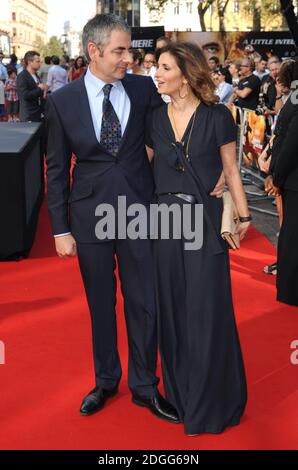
(184, 96)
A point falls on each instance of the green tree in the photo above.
(263, 12)
(39, 45)
(53, 47)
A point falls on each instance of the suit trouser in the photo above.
(135, 264)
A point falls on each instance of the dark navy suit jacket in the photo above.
(98, 177)
(284, 163)
(30, 96)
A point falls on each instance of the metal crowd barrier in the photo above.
(250, 173)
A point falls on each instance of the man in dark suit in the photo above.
(283, 179)
(30, 89)
(101, 118)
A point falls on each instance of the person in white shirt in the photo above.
(57, 76)
(149, 64)
(223, 89)
(260, 68)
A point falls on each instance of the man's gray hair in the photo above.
(99, 28)
(250, 61)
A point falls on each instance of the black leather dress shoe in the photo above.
(96, 399)
(158, 406)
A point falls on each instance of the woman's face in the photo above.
(168, 75)
(79, 62)
(149, 61)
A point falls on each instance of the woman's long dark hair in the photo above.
(193, 65)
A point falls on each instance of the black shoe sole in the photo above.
(164, 418)
(112, 394)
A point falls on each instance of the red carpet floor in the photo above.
(44, 324)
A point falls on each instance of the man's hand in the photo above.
(219, 188)
(42, 86)
(270, 188)
(65, 246)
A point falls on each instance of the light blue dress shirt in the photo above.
(118, 98)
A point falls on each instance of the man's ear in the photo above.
(92, 50)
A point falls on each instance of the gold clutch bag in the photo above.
(230, 222)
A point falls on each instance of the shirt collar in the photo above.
(96, 85)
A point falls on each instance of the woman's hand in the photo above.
(219, 187)
(242, 229)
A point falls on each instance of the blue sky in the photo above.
(60, 11)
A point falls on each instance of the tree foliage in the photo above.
(53, 47)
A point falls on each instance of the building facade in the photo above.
(182, 15)
(25, 21)
(127, 9)
(72, 39)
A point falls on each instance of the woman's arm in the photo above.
(234, 183)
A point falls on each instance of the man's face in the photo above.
(215, 78)
(35, 63)
(110, 63)
(212, 64)
(245, 68)
(161, 43)
(211, 43)
(274, 69)
(233, 69)
(262, 66)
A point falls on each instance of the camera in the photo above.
(261, 107)
(260, 110)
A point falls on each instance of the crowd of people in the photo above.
(251, 82)
(49, 76)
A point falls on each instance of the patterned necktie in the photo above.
(110, 135)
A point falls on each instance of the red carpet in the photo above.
(46, 331)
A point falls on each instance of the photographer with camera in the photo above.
(246, 95)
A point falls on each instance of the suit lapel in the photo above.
(85, 112)
(31, 79)
(130, 88)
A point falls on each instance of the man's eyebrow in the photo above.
(210, 44)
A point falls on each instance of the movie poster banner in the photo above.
(231, 45)
(253, 134)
